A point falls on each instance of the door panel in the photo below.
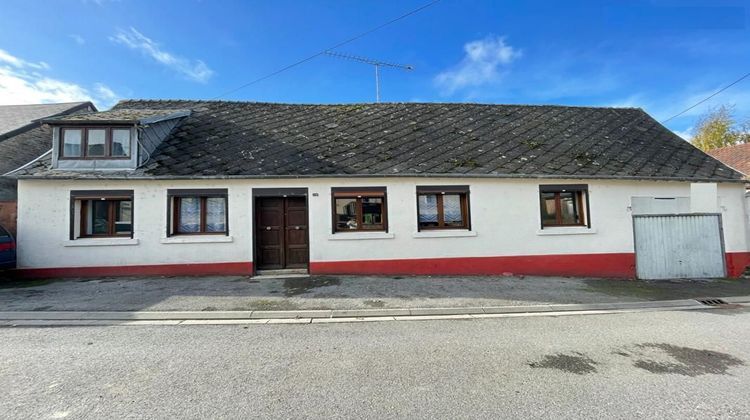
(269, 230)
(270, 238)
(281, 232)
(269, 259)
(296, 232)
(296, 210)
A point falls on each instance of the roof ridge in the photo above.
(48, 104)
(208, 101)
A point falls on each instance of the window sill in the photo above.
(101, 242)
(564, 230)
(351, 236)
(448, 233)
(197, 239)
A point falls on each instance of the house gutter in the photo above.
(399, 175)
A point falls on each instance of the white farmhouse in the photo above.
(209, 187)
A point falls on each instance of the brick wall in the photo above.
(8, 215)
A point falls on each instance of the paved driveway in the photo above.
(340, 292)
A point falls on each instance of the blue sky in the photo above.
(659, 55)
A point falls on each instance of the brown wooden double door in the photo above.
(281, 237)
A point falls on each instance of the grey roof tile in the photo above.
(14, 117)
(246, 139)
(119, 116)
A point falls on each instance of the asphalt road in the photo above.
(691, 364)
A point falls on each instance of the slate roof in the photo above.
(246, 140)
(120, 116)
(14, 117)
(18, 150)
(737, 157)
(27, 139)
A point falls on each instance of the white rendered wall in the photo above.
(704, 198)
(504, 217)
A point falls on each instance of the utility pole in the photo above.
(375, 63)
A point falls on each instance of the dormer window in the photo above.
(95, 143)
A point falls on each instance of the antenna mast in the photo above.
(375, 63)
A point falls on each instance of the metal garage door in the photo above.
(679, 246)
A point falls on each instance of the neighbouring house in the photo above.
(736, 157)
(22, 139)
(213, 187)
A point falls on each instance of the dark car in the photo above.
(7, 250)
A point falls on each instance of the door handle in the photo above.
(296, 228)
(268, 227)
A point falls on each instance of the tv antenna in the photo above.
(375, 63)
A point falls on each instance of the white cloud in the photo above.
(738, 97)
(633, 101)
(483, 63)
(662, 105)
(195, 70)
(8, 59)
(78, 39)
(685, 134)
(105, 93)
(21, 83)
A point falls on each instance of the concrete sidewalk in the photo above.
(125, 318)
(344, 293)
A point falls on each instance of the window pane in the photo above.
(71, 143)
(372, 213)
(568, 208)
(452, 212)
(216, 216)
(96, 142)
(346, 213)
(549, 216)
(190, 215)
(98, 217)
(123, 217)
(120, 142)
(428, 214)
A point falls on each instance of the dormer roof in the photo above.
(120, 116)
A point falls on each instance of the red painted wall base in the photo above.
(620, 265)
(737, 262)
(207, 269)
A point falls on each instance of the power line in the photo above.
(708, 97)
(321, 52)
